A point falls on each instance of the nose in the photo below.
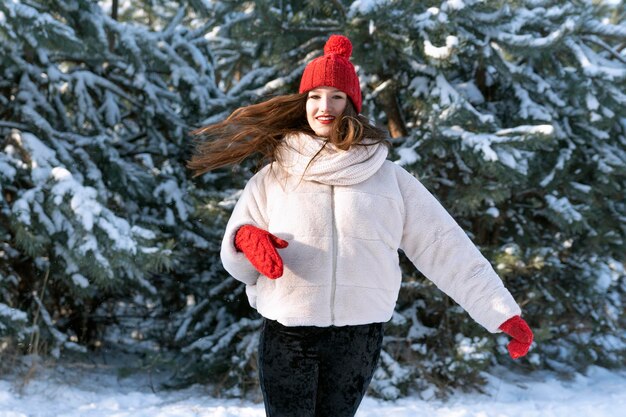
(324, 104)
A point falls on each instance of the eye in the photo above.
(338, 97)
(314, 96)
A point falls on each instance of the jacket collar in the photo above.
(332, 166)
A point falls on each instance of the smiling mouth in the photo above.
(325, 119)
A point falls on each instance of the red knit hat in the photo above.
(334, 69)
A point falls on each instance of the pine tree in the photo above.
(515, 117)
(496, 108)
(95, 119)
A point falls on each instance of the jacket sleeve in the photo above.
(249, 209)
(441, 250)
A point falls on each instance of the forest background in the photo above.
(513, 113)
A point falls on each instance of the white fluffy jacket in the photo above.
(345, 215)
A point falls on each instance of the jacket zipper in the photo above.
(333, 287)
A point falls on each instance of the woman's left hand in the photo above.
(522, 336)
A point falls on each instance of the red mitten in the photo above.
(522, 336)
(259, 246)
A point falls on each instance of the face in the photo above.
(323, 106)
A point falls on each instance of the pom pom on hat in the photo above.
(334, 69)
(338, 45)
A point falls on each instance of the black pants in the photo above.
(316, 371)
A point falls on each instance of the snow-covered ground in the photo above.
(96, 391)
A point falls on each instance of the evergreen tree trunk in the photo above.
(387, 100)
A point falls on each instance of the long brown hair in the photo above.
(258, 130)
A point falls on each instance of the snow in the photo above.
(493, 212)
(171, 193)
(88, 211)
(592, 102)
(83, 201)
(11, 313)
(408, 156)
(565, 208)
(441, 52)
(532, 41)
(88, 390)
(80, 281)
(594, 66)
(420, 86)
(365, 6)
(40, 154)
(511, 157)
(6, 170)
(544, 130)
(448, 96)
(528, 108)
(455, 4)
(471, 92)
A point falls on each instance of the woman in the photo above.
(315, 238)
